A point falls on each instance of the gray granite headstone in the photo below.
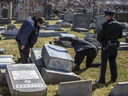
(37, 58)
(25, 80)
(6, 60)
(4, 13)
(65, 43)
(75, 88)
(81, 20)
(10, 34)
(99, 21)
(1, 51)
(22, 16)
(55, 77)
(126, 39)
(120, 89)
(68, 16)
(57, 58)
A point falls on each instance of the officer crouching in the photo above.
(108, 37)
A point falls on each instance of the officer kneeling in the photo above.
(108, 36)
(82, 49)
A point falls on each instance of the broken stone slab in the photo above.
(50, 33)
(120, 89)
(65, 43)
(37, 58)
(57, 58)
(6, 60)
(2, 77)
(1, 51)
(75, 88)
(55, 77)
(25, 80)
(53, 28)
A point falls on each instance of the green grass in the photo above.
(10, 48)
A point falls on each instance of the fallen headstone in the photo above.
(120, 89)
(55, 77)
(75, 88)
(57, 58)
(25, 80)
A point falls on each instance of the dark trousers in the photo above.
(90, 53)
(24, 54)
(109, 54)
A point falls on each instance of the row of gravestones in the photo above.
(25, 79)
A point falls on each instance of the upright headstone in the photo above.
(4, 13)
(11, 26)
(81, 20)
(37, 58)
(57, 58)
(65, 43)
(49, 10)
(22, 16)
(68, 16)
(99, 21)
(25, 80)
(75, 88)
(121, 17)
(120, 89)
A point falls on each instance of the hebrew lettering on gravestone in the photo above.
(57, 58)
(25, 80)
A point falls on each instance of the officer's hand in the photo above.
(56, 39)
(22, 47)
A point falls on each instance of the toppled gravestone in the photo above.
(75, 88)
(56, 58)
(55, 77)
(25, 80)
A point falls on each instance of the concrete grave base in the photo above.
(120, 89)
(75, 88)
(55, 77)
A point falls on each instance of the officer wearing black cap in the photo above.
(108, 37)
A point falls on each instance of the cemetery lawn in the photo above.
(10, 48)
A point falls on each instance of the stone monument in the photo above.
(25, 80)
(56, 58)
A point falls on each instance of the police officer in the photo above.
(27, 36)
(108, 36)
(82, 49)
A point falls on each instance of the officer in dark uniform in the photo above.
(108, 36)
(82, 49)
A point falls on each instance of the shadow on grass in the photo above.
(79, 72)
(4, 91)
(98, 85)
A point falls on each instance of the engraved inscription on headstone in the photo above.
(25, 80)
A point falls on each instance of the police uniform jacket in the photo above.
(79, 44)
(110, 30)
(28, 33)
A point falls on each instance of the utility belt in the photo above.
(107, 43)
